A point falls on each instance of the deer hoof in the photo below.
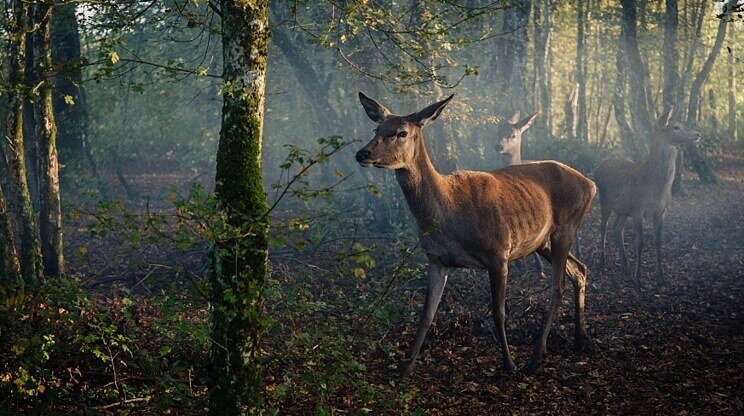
(509, 366)
(532, 367)
(405, 369)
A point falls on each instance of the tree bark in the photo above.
(732, 132)
(698, 160)
(582, 128)
(240, 263)
(72, 118)
(629, 140)
(542, 24)
(638, 75)
(11, 281)
(670, 59)
(511, 55)
(50, 207)
(30, 247)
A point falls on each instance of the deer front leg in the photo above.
(436, 280)
(558, 256)
(658, 225)
(498, 273)
(617, 232)
(638, 238)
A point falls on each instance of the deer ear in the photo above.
(375, 111)
(527, 122)
(667, 117)
(431, 112)
(514, 118)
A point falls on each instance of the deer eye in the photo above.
(402, 134)
(676, 127)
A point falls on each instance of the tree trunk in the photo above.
(11, 281)
(511, 55)
(240, 263)
(670, 60)
(72, 118)
(629, 139)
(638, 75)
(698, 160)
(50, 209)
(30, 246)
(582, 128)
(732, 132)
(542, 20)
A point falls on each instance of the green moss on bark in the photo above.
(240, 264)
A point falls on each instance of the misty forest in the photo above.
(439, 207)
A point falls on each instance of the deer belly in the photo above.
(528, 243)
(450, 253)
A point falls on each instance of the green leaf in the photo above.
(69, 100)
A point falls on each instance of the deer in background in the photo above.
(629, 189)
(483, 220)
(509, 146)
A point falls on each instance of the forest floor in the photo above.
(341, 318)
(676, 348)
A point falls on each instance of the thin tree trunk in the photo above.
(699, 161)
(72, 118)
(670, 60)
(732, 133)
(50, 216)
(11, 281)
(629, 140)
(638, 75)
(541, 19)
(582, 128)
(240, 263)
(30, 246)
(691, 57)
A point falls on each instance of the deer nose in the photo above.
(362, 155)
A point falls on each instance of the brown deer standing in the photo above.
(483, 220)
(629, 189)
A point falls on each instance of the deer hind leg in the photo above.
(539, 266)
(603, 237)
(498, 273)
(658, 225)
(436, 280)
(638, 239)
(617, 232)
(560, 243)
(577, 272)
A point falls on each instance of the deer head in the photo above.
(510, 132)
(675, 133)
(397, 138)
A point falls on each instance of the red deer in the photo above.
(483, 220)
(629, 189)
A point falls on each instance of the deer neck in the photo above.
(660, 165)
(423, 187)
(512, 157)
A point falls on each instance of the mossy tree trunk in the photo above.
(71, 116)
(30, 246)
(11, 281)
(240, 263)
(50, 209)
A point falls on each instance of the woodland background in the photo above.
(120, 318)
